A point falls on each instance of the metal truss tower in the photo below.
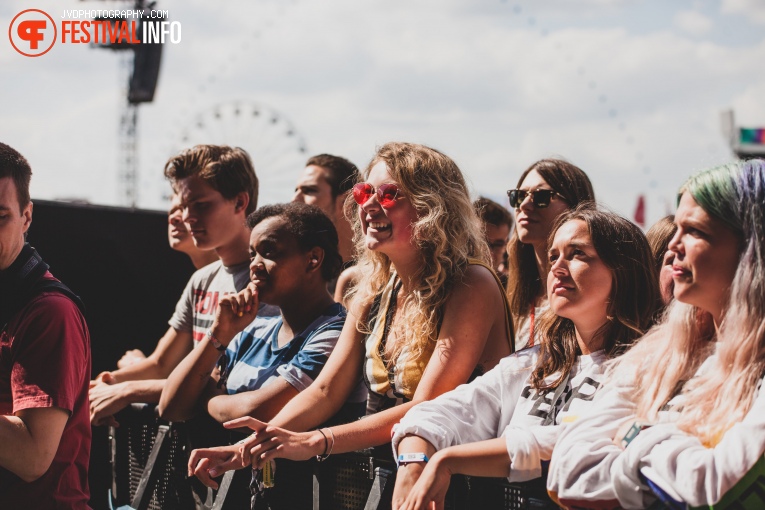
(128, 167)
(140, 65)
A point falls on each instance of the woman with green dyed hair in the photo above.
(682, 416)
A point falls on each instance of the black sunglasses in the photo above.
(540, 198)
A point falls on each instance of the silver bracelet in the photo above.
(333, 442)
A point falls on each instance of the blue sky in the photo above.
(631, 91)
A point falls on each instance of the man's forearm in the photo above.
(170, 350)
(108, 399)
(146, 368)
(182, 393)
(147, 391)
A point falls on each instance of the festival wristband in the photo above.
(408, 458)
(633, 432)
(215, 343)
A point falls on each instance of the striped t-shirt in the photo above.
(254, 358)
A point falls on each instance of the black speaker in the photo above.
(146, 63)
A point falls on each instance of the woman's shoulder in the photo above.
(478, 275)
(476, 296)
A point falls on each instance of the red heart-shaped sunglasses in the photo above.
(386, 193)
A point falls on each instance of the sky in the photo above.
(631, 91)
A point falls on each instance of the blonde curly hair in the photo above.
(446, 234)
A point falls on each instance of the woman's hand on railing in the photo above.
(406, 476)
(268, 442)
(429, 488)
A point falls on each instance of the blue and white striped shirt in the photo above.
(254, 358)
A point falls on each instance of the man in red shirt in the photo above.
(44, 365)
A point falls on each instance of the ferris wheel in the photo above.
(277, 149)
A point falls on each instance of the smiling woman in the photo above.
(426, 315)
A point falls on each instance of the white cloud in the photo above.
(693, 22)
(748, 106)
(754, 10)
(638, 110)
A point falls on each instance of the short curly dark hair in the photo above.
(311, 227)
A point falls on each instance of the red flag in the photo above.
(640, 211)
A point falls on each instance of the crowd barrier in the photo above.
(149, 458)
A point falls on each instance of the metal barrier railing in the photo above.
(149, 458)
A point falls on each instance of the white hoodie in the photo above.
(589, 470)
(502, 403)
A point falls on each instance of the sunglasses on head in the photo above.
(540, 198)
(386, 193)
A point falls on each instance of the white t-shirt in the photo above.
(195, 311)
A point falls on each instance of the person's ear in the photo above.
(315, 258)
(27, 214)
(242, 201)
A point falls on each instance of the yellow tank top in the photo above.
(397, 385)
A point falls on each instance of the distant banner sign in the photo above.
(752, 136)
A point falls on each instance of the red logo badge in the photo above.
(32, 32)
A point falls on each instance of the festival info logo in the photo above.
(32, 32)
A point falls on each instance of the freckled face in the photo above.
(707, 254)
(388, 230)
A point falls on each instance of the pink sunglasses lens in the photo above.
(362, 192)
(386, 194)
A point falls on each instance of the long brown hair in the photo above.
(632, 303)
(659, 236)
(524, 281)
